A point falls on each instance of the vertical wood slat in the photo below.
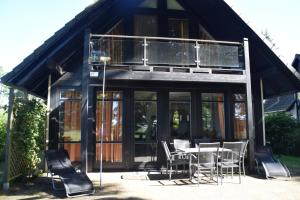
(250, 117)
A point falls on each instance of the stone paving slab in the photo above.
(140, 186)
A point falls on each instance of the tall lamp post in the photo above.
(105, 60)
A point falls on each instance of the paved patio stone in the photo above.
(140, 186)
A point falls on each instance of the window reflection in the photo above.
(240, 129)
(213, 116)
(180, 115)
(145, 126)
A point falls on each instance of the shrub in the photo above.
(28, 132)
(279, 132)
(2, 134)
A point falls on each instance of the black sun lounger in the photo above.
(271, 167)
(75, 183)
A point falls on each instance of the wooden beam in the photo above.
(250, 117)
(84, 101)
(117, 74)
(7, 141)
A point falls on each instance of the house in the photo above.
(174, 69)
(288, 103)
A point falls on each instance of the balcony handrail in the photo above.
(92, 36)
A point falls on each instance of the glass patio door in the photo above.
(145, 128)
(112, 152)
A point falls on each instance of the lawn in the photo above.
(292, 162)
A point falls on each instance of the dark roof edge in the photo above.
(49, 42)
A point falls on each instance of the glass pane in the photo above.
(112, 121)
(219, 55)
(111, 153)
(178, 28)
(212, 97)
(145, 128)
(69, 121)
(145, 152)
(144, 95)
(180, 96)
(70, 94)
(73, 150)
(149, 4)
(239, 97)
(180, 120)
(240, 130)
(145, 25)
(110, 95)
(121, 51)
(175, 53)
(213, 120)
(174, 5)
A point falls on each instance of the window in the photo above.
(213, 120)
(174, 5)
(145, 25)
(69, 122)
(180, 106)
(178, 28)
(113, 124)
(240, 125)
(145, 126)
(149, 4)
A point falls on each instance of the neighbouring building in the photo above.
(289, 103)
(178, 69)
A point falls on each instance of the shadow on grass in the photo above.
(41, 188)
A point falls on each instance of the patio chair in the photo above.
(270, 166)
(243, 154)
(75, 183)
(205, 161)
(231, 159)
(173, 159)
(181, 144)
(202, 140)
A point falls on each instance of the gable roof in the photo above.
(296, 62)
(215, 15)
(280, 103)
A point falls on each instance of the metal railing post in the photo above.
(197, 47)
(145, 52)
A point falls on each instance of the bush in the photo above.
(2, 134)
(280, 132)
(29, 132)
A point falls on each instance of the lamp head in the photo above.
(105, 59)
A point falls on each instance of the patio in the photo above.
(140, 186)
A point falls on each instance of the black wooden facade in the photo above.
(200, 90)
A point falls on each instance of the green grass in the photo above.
(292, 162)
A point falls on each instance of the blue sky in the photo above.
(26, 24)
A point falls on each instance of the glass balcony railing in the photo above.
(154, 51)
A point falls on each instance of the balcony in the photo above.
(174, 55)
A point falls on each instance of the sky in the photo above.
(26, 24)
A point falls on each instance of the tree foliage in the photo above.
(29, 132)
(283, 133)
